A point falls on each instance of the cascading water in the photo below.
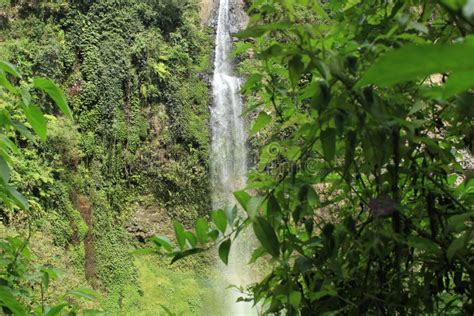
(229, 153)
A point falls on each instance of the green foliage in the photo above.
(129, 70)
(359, 190)
(21, 279)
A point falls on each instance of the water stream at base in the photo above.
(229, 157)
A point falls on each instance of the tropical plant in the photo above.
(364, 120)
(20, 278)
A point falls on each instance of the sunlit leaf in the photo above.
(38, 122)
(55, 93)
(262, 120)
(417, 61)
(220, 220)
(202, 228)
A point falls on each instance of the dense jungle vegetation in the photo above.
(360, 127)
(130, 71)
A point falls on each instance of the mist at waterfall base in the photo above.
(229, 159)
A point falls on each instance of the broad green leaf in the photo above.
(273, 208)
(55, 93)
(191, 238)
(202, 227)
(257, 253)
(295, 299)
(267, 236)
(213, 234)
(417, 61)
(4, 170)
(243, 198)
(8, 300)
(55, 310)
(293, 153)
(180, 235)
(24, 131)
(84, 293)
(296, 68)
(9, 68)
(25, 95)
(424, 244)
(231, 213)
(184, 254)
(162, 241)
(224, 250)
(219, 219)
(328, 140)
(253, 206)
(259, 30)
(261, 121)
(5, 83)
(18, 198)
(460, 222)
(38, 122)
(319, 9)
(458, 244)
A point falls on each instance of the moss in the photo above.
(183, 290)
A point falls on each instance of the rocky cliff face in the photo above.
(208, 12)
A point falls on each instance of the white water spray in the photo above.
(229, 155)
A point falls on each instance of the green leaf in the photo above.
(253, 206)
(267, 236)
(191, 238)
(220, 220)
(296, 68)
(243, 198)
(18, 198)
(417, 61)
(458, 244)
(23, 130)
(202, 227)
(259, 30)
(180, 235)
(55, 93)
(84, 293)
(273, 208)
(162, 241)
(25, 95)
(9, 68)
(5, 83)
(231, 213)
(261, 121)
(184, 254)
(8, 300)
(295, 299)
(38, 122)
(224, 250)
(424, 244)
(56, 310)
(328, 140)
(4, 170)
(460, 222)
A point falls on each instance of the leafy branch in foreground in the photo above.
(364, 122)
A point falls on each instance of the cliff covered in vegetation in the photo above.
(136, 156)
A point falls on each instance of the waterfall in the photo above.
(229, 154)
